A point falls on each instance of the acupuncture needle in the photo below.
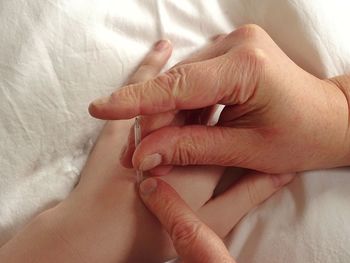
(137, 133)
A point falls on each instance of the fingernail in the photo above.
(148, 186)
(282, 179)
(150, 162)
(100, 101)
(162, 45)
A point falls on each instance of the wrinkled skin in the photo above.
(277, 117)
(103, 220)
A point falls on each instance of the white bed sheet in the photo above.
(58, 55)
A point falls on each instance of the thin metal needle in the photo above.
(137, 131)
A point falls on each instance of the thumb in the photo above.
(192, 239)
(193, 145)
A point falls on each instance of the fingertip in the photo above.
(104, 108)
(159, 54)
(99, 108)
(148, 162)
(164, 53)
(93, 109)
(147, 155)
(147, 187)
(162, 45)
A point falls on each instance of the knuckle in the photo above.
(183, 152)
(253, 65)
(252, 55)
(129, 93)
(168, 79)
(249, 69)
(187, 148)
(226, 156)
(176, 80)
(192, 147)
(185, 232)
(249, 32)
(173, 83)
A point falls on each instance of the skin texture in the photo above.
(193, 240)
(103, 220)
(277, 118)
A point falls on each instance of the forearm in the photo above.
(38, 242)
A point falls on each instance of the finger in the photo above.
(231, 206)
(157, 121)
(154, 122)
(193, 240)
(230, 79)
(147, 124)
(151, 123)
(153, 63)
(150, 67)
(193, 145)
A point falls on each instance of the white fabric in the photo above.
(58, 55)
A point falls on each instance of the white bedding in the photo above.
(58, 55)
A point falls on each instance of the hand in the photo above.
(125, 230)
(103, 219)
(278, 118)
(193, 240)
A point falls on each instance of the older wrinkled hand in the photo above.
(192, 239)
(277, 117)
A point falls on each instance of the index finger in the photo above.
(192, 239)
(185, 87)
